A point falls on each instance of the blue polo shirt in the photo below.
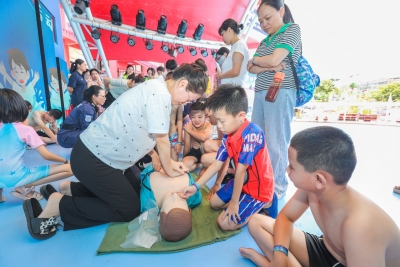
(77, 82)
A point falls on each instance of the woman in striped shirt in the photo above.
(283, 41)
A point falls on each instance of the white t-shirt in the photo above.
(239, 47)
(123, 134)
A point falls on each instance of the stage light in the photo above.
(198, 32)
(116, 18)
(149, 44)
(131, 41)
(140, 20)
(193, 51)
(80, 6)
(204, 52)
(182, 29)
(96, 33)
(162, 25)
(180, 49)
(114, 38)
(214, 53)
(164, 47)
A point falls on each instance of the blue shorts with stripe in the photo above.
(247, 204)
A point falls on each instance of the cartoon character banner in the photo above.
(20, 58)
(48, 35)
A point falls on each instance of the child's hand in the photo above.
(36, 76)
(213, 190)
(187, 191)
(188, 127)
(178, 148)
(232, 211)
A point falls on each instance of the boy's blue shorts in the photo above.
(247, 204)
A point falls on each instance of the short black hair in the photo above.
(326, 148)
(195, 74)
(56, 113)
(198, 106)
(223, 50)
(131, 77)
(230, 97)
(171, 64)
(12, 106)
(139, 79)
(160, 68)
(28, 104)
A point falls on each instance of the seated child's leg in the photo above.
(190, 162)
(208, 159)
(211, 146)
(173, 139)
(247, 207)
(261, 229)
(56, 172)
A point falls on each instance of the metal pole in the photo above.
(67, 10)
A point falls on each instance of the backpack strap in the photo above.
(296, 78)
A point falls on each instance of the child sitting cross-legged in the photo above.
(244, 143)
(197, 131)
(355, 231)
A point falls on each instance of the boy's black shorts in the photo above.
(195, 153)
(318, 254)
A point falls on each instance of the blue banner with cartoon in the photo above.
(20, 59)
(49, 37)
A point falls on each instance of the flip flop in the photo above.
(47, 190)
(39, 228)
(26, 191)
(396, 190)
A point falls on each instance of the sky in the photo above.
(358, 38)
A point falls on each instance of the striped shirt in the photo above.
(288, 37)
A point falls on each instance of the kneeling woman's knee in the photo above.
(130, 212)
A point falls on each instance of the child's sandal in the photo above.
(39, 228)
(25, 192)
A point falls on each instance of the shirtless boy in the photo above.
(356, 232)
(175, 131)
(38, 120)
(197, 131)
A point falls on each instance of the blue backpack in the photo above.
(306, 80)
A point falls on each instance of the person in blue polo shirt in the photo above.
(81, 116)
(76, 83)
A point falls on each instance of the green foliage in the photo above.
(353, 109)
(382, 94)
(323, 91)
(353, 85)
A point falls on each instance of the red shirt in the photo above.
(247, 146)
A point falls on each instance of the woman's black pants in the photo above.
(103, 194)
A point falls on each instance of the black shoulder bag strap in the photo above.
(296, 78)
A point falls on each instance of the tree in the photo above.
(323, 91)
(382, 94)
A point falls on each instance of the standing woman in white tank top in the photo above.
(234, 68)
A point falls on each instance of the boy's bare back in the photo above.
(356, 230)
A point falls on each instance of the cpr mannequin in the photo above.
(175, 215)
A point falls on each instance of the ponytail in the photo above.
(230, 23)
(74, 65)
(277, 4)
(287, 17)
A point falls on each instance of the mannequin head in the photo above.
(175, 218)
